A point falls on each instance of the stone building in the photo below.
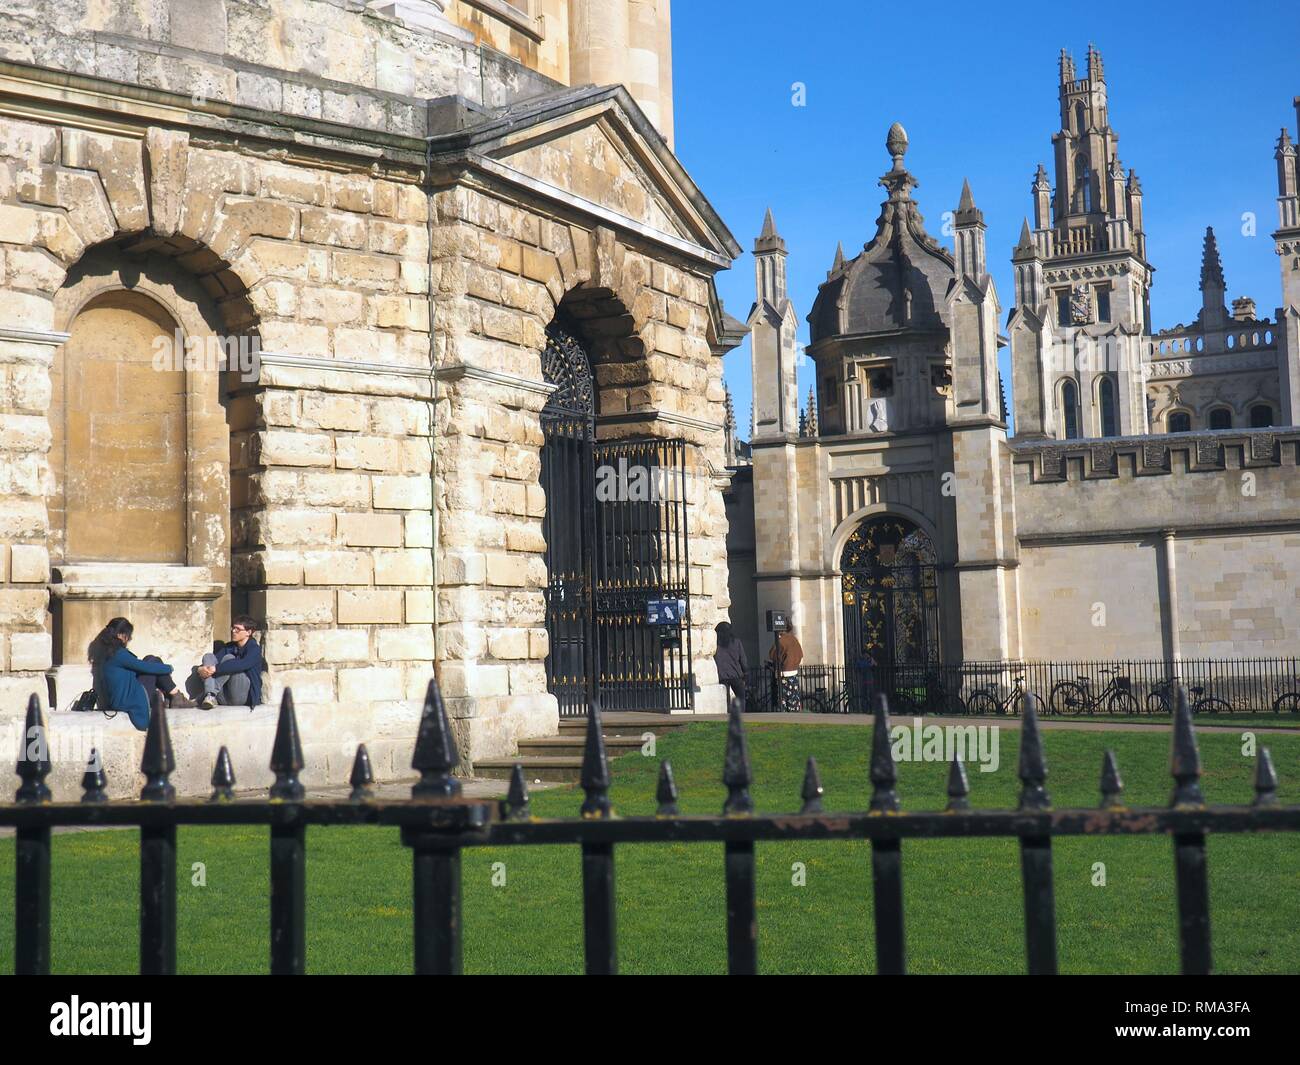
(293, 296)
(1148, 505)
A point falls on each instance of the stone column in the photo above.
(643, 58)
(598, 40)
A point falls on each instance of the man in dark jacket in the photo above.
(731, 662)
(233, 675)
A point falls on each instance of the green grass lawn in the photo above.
(1244, 720)
(962, 898)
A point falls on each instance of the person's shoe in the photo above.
(181, 702)
(209, 701)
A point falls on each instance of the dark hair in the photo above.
(106, 644)
(247, 622)
(726, 634)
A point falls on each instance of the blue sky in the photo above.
(1198, 93)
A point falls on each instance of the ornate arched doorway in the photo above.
(617, 593)
(569, 432)
(890, 579)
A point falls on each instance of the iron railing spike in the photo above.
(666, 791)
(1265, 780)
(436, 754)
(33, 771)
(1033, 763)
(158, 760)
(223, 778)
(736, 773)
(1112, 784)
(93, 781)
(362, 776)
(286, 753)
(515, 806)
(595, 765)
(958, 785)
(812, 790)
(884, 774)
(1185, 756)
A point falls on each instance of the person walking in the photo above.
(786, 656)
(126, 683)
(733, 668)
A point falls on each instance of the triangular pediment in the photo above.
(594, 149)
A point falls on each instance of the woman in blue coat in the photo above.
(126, 683)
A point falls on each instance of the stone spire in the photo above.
(729, 448)
(811, 423)
(1066, 67)
(1096, 72)
(1211, 264)
(1213, 313)
(838, 264)
(969, 235)
(769, 263)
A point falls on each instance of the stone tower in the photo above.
(1287, 242)
(1082, 279)
(772, 325)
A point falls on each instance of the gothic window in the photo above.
(1103, 303)
(1070, 410)
(1220, 418)
(1106, 402)
(1063, 316)
(1179, 422)
(1261, 416)
(1079, 123)
(1082, 185)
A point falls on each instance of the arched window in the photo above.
(1220, 418)
(1106, 403)
(1070, 410)
(1082, 184)
(1079, 124)
(1261, 416)
(1179, 422)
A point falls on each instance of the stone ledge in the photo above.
(112, 581)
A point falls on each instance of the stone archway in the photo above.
(141, 487)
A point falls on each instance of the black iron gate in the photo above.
(642, 556)
(891, 596)
(615, 531)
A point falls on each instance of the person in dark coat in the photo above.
(126, 683)
(733, 667)
(232, 675)
(786, 656)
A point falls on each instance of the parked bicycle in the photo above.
(1077, 696)
(1163, 699)
(985, 702)
(1288, 701)
(821, 701)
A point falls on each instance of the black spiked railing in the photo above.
(288, 848)
(158, 851)
(437, 823)
(223, 778)
(812, 790)
(666, 791)
(599, 938)
(1112, 784)
(362, 777)
(958, 787)
(515, 806)
(93, 781)
(1036, 848)
(886, 852)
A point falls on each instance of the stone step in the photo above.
(628, 724)
(572, 743)
(546, 768)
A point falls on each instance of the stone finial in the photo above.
(1066, 67)
(896, 144)
(1096, 72)
(1041, 180)
(967, 213)
(812, 412)
(838, 264)
(1026, 242)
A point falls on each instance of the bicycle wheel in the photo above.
(812, 703)
(902, 703)
(1287, 703)
(1124, 702)
(1067, 698)
(983, 704)
(1158, 703)
(1210, 705)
